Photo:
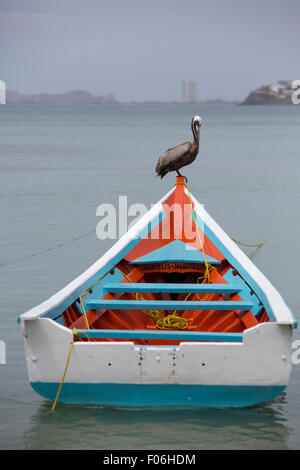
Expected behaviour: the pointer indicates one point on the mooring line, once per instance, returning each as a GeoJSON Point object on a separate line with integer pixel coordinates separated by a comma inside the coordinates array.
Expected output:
{"type": "Point", "coordinates": [46, 250]}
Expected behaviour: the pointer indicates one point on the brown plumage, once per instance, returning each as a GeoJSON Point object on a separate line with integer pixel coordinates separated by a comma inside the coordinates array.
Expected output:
{"type": "Point", "coordinates": [176, 157]}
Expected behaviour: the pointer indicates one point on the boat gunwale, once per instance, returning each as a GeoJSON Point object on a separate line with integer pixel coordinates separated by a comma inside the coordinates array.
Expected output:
{"type": "Point", "coordinates": [174, 335]}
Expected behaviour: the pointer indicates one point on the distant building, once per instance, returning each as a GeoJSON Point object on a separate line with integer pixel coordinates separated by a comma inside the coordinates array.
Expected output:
{"type": "Point", "coordinates": [268, 87]}
{"type": "Point", "coordinates": [285, 83]}
{"type": "Point", "coordinates": [269, 93]}
{"type": "Point", "coordinates": [284, 87]}
{"type": "Point", "coordinates": [190, 92]}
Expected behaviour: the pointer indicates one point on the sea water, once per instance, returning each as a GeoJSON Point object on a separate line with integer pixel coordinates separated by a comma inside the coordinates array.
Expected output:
{"type": "Point", "coordinates": [57, 165]}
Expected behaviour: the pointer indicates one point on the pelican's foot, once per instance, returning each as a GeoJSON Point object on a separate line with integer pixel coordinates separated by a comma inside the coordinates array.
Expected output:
{"type": "Point", "coordinates": [182, 176]}
{"type": "Point", "coordinates": [185, 178]}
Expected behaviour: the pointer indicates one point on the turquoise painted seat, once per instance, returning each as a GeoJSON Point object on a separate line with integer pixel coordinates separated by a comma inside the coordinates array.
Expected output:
{"type": "Point", "coordinates": [168, 305]}
{"type": "Point", "coordinates": [175, 252]}
{"type": "Point", "coordinates": [157, 287]}
{"type": "Point", "coordinates": [164, 335]}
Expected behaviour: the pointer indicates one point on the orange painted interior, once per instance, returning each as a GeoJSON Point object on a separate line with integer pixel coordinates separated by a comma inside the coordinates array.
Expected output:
{"type": "Point", "coordinates": [180, 226]}
{"type": "Point", "coordinates": [202, 320]}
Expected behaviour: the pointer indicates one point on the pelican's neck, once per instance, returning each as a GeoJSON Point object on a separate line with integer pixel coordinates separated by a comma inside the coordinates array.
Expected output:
{"type": "Point", "coordinates": [196, 135]}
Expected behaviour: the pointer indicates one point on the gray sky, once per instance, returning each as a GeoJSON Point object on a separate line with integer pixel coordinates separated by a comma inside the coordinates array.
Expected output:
{"type": "Point", "coordinates": [143, 49]}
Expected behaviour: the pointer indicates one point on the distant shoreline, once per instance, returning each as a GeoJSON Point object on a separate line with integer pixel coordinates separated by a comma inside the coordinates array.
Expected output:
{"type": "Point", "coordinates": [145, 105]}
{"type": "Point", "coordinates": [81, 98]}
{"type": "Point", "coordinates": [84, 98]}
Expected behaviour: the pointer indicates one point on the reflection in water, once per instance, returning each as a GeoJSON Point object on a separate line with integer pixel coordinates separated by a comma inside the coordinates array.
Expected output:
{"type": "Point", "coordinates": [254, 253]}
{"type": "Point", "coordinates": [78, 427]}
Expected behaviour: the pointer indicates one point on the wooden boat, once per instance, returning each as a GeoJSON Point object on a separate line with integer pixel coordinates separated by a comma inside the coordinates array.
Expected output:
{"type": "Point", "coordinates": [173, 315]}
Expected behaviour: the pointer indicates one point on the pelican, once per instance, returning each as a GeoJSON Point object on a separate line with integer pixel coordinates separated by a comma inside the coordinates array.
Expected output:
{"type": "Point", "coordinates": [176, 157]}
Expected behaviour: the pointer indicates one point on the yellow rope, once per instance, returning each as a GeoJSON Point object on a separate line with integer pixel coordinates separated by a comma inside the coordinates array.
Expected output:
{"type": "Point", "coordinates": [164, 323]}
{"type": "Point", "coordinates": [85, 315]}
{"type": "Point", "coordinates": [62, 380]}
{"type": "Point", "coordinates": [174, 321]}
{"type": "Point", "coordinates": [87, 291]}
{"type": "Point", "coordinates": [75, 333]}
{"type": "Point", "coordinates": [208, 266]}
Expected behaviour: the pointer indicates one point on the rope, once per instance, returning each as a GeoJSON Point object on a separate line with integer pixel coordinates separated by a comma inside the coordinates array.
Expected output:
{"type": "Point", "coordinates": [173, 321]}
{"type": "Point", "coordinates": [208, 266]}
{"type": "Point", "coordinates": [248, 244]}
{"type": "Point", "coordinates": [84, 313]}
{"type": "Point", "coordinates": [164, 323]}
{"type": "Point", "coordinates": [89, 291]}
{"type": "Point", "coordinates": [64, 374]}
{"type": "Point", "coordinates": [46, 250]}
{"type": "Point", "coordinates": [75, 334]}
{"type": "Point", "coordinates": [251, 245]}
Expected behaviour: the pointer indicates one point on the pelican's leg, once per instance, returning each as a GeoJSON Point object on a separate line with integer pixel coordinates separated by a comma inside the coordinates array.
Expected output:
{"type": "Point", "coordinates": [179, 174]}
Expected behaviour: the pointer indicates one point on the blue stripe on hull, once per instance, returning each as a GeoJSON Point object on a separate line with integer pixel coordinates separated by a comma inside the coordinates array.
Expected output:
{"type": "Point", "coordinates": [158, 395]}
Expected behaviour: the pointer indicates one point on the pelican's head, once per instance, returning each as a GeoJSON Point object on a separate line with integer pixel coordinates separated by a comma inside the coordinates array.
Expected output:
{"type": "Point", "coordinates": [196, 124]}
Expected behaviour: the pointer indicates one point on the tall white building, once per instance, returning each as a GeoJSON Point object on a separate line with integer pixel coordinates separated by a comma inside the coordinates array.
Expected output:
{"type": "Point", "coordinates": [190, 91]}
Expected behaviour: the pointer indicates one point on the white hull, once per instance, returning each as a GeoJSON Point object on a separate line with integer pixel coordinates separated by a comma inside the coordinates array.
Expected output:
{"type": "Point", "coordinates": [263, 360]}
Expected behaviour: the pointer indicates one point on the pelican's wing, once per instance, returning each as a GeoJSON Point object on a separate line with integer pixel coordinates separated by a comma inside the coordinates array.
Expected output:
{"type": "Point", "coordinates": [172, 155]}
